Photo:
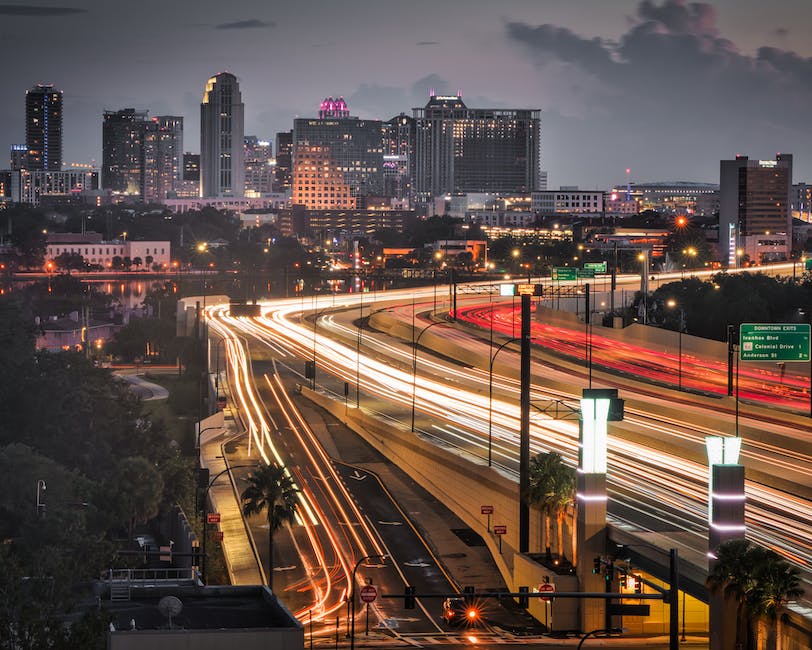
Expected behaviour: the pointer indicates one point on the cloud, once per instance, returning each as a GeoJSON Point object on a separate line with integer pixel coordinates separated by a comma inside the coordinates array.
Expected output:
{"type": "Point", "coordinates": [22, 10]}
{"type": "Point", "coordinates": [252, 23]}
{"type": "Point", "coordinates": [428, 43]}
{"type": "Point", "coordinates": [673, 79]}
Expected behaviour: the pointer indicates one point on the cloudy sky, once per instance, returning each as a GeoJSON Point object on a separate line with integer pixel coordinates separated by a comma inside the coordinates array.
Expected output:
{"type": "Point", "coordinates": [664, 87]}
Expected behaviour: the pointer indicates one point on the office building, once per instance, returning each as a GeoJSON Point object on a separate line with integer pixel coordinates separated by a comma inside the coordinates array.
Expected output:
{"type": "Point", "coordinates": [570, 201]}
{"type": "Point", "coordinates": [222, 171]}
{"type": "Point", "coordinates": [141, 157]}
{"type": "Point", "coordinates": [460, 149]}
{"type": "Point", "coordinates": [43, 128]}
{"type": "Point", "coordinates": [284, 161]}
{"type": "Point", "coordinates": [18, 156]}
{"type": "Point", "coordinates": [189, 186]}
{"type": "Point", "coordinates": [337, 159]}
{"type": "Point", "coordinates": [35, 187]}
{"type": "Point", "coordinates": [398, 158]}
{"type": "Point", "coordinates": [259, 166]}
{"type": "Point", "coordinates": [755, 218]}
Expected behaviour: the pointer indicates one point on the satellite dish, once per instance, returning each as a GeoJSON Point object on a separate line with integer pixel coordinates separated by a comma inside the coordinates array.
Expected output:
{"type": "Point", "coordinates": [170, 606]}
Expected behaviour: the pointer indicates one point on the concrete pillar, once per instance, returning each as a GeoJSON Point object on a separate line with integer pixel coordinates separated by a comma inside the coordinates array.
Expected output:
{"type": "Point", "coordinates": [725, 522]}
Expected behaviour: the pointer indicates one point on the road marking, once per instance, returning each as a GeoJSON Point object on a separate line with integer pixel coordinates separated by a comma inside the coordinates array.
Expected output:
{"type": "Point", "coordinates": [358, 476]}
{"type": "Point", "coordinates": [390, 523]}
{"type": "Point", "coordinates": [417, 563]}
{"type": "Point", "coordinates": [285, 568]}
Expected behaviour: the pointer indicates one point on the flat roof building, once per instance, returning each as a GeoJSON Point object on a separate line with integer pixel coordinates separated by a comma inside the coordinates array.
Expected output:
{"type": "Point", "coordinates": [43, 128]}
{"type": "Point", "coordinates": [222, 115]}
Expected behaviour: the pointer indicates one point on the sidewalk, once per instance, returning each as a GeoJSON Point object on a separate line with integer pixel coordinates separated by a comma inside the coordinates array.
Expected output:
{"type": "Point", "coordinates": [241, 561]}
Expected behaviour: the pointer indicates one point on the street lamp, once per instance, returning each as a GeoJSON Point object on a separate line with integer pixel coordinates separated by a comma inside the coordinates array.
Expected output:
{"type": "Point", "coordinates": [315, 324]}
{"type": "Point", "coordinates": [490, 397]}
{"type": "Point", "coordinates": [438, 255]}
{"type": "Point", "coordinates": [206, 513]}
{"type": "Point", "coordinates": [415, 341]}
{"type": "Point", "coordinates": [40, 504]}
{"type": "Point", "coordinates": [671, 304]}
{"type": "Point", "coordinates": [352, 594]}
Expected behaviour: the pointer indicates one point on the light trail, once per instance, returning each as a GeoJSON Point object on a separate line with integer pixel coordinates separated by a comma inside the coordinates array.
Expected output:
{"type": "Point", "coordinates": [637, 471]}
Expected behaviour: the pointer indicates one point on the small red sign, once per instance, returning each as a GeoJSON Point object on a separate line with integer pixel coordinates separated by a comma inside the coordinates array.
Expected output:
{"type": "Point", "coordinates": [213, 518]}
{"type": "Point", "coordinates": [221, 402]}
{"type": "Point", "coordinates": [368, 593]}
{"type": "Point", "coordinates": [547, 587]}
{"type": "Point", "coordinates": [218, 535]}
{"type": "Point", "coordinates": [486, 510]}
{"type": "Point", "coordinates": [500, 530]}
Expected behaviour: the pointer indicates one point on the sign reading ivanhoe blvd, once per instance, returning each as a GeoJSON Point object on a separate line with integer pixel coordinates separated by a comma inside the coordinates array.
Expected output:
{"type": "Point", "coordinates": [774, 342]}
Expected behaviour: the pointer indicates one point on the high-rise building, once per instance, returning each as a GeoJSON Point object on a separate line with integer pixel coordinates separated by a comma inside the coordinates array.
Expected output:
{"type": "Point", "coordinates": [123, 135]}
{"type": "Point", "coordinates": [142, 156]}
{"type": "Point", "coordinates": [460, 149]}
{"type": "Point", "coordinates": [221, 138]}
{"type": "Point", "coordinates": [18, 156]}
{"type": "Point", "coordinates": [398, 157]}
{"type": "Point", "coordinates": [259, 166]}
{"type": "Point", "coordinates": [755, 219]}
{"type": "Point", "coordinates": [284, 161]}
{"type": "Point", "coordinates": [337, 159]}
{"type": "Point", "coordinates": [43, 128]}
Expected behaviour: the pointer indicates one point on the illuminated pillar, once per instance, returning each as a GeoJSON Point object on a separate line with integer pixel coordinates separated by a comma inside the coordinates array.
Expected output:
{"type": "Point", "coordinates": [725, 522]}
{"type": "Point", "coordinates": [598, 406]}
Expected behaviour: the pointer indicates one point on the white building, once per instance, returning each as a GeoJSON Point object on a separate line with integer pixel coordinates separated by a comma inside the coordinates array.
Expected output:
{"type": "Point", "coordinates": [568, 201]}
{"type": "Point", "coordinates": [96, 251]}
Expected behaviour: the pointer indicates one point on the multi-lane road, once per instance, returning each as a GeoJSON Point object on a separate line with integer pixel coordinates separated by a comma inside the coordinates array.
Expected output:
{"type": "Point", "coordinates": [657, 474]}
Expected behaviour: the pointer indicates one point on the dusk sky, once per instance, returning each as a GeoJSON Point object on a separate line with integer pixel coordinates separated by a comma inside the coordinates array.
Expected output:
{"type": "Point", "coordinates": [664, 87]}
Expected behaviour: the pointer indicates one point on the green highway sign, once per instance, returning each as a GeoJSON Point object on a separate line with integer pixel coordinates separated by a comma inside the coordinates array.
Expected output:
{"type": "Point", "coordinates": [774, 342]}
{"type": "Point", "coordinates": [586, 273]}
{"type": "Point", "coordinates": [598, 267]}
{"type": "Point", "coordinates": [564, 273]}
{"type": "Point", "coordinates": [808, 265]}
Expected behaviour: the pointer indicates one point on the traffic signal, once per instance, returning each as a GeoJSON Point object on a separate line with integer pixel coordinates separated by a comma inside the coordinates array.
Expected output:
{"type": "Point", "coordinates": [609, 574]}
{"type": "Point", "coordinates": [524, 600]}
{"type": "Point", "coordinates": [408, 598]}
{"type": "Point", "coordinates": [638, 585]}
{"type": "Point", "coordinates": [596, 565]}
{"type": "Point", "coordinates": [622, 580]}
{"type": "Point", "coordinates": [468, 595]}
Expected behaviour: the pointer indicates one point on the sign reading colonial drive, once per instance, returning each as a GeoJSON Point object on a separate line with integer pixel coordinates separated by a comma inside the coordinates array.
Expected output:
{"type": "Point", "coordinates": [369, 593]}
{"type": "Point", "coordinates": [500, 530]}
{"type": "Point", "coordinates": [564, 273]}
{"type": "Point", "coordinates": [486, 510]}
{"type": "Point", "coordinates": [774, 342]}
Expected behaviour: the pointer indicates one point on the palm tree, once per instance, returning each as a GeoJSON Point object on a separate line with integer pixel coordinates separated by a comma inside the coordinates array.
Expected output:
{"type": "Point", "coordinates": [552, 484]}
{"type": "Point", "coordinates": [270, 488]}
{"type": "Point", "coordinates": [777, 583]}
{"type": "Point", "coordinates": [761, 582]}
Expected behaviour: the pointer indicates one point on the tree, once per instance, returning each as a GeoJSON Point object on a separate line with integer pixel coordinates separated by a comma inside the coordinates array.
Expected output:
{"type": "Point", "coordinates": [552, 488]}
{"type": "Point", "coordinates": [760, 581]}
{"type": "Point", "coordinates": [270, 489]}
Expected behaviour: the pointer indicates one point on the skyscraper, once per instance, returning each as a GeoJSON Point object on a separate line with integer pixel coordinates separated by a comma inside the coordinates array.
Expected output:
{"type": "Point", "coordinates": [43, 128]}
{"type": "Point", "coordinates": [284, 161]}
{"type": "Point", "coordinates": [755, 218]}
{"type": "Point", "coordinates": [337, 159]}
{"type": "Point", "coordinates": [222, 172]}
{"type": "Point", "coordinates": [142, 156]}
{"type": "Point", "coordinates": [259, 169]}
{"type": "Point", "coordinates": [460, 149]}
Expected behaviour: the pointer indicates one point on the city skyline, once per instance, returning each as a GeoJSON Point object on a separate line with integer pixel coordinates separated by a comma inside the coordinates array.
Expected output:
{"type": "Point", "coordinates": [665, 88]}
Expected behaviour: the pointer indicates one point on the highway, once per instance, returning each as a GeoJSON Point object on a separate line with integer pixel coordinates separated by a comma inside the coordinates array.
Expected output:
{"type": "Point", "coordinates": [657, 476]}
{"type": "Point", "coordinates": [347, 523]}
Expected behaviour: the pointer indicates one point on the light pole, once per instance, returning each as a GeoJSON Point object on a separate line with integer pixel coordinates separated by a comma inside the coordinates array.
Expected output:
{"type": "Point", "coordinates": [490, 397]}
{"type": "Point", "coordinates": [315, 323]}
{"type": "Point", "coordinates": [358, 352]}
{"type": "Point", "coordinates": [415, 341]}
{"type": "Point", "coordinates": [672, 304]}
{"type": "Point", "coordinates": [438, 255]}
{"type": "Point", "coordinates": [352, 595]}
{"type": "Point", "coordinates": [40, 505]}
{"type": "Point", "coordinates": [206, 514]}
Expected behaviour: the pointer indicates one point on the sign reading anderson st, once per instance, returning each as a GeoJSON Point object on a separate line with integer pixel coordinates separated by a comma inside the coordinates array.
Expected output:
{"type": "Point", "coordinates": [774, 342]}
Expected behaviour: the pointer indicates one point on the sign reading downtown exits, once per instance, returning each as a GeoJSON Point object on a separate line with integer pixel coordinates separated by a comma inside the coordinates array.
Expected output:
{"type": "Point", "coordinates": [774, 342]}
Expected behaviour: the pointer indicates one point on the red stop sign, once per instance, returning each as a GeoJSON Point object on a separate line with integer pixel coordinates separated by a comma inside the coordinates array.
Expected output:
{"type": "Point", "coordinates": [546, 588]}
{"type": "Point", "coordinates": [368, 593]}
